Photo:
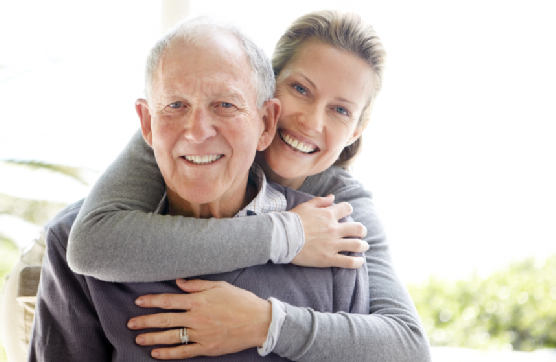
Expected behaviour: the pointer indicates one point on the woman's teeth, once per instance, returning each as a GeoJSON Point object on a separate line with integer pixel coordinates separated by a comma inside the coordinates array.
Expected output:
{"type": "Point", "coordinates": [202, 160]}
{"type": "Point", "coordinates": [295, 144]}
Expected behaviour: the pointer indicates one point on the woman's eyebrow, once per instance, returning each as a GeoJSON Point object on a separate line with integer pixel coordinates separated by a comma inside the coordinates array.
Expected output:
{"type": "Point", "coordinates": [308, 80]}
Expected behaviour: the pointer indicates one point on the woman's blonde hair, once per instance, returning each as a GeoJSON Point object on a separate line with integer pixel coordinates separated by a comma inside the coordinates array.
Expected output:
{"type": "Point", "coordinates": [345, 31]}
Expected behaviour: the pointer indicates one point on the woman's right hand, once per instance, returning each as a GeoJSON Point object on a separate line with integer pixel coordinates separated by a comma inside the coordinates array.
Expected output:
{"type": "Point", "coordinates": [325, 237]}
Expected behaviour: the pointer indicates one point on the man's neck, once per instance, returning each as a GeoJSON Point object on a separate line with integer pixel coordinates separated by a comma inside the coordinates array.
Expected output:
{"type": "Point", "coordinates": [222, 208]}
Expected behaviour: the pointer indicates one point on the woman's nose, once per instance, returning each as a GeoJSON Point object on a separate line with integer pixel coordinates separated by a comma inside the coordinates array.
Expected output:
{"type": "Point", "coordinates": [313, 120]}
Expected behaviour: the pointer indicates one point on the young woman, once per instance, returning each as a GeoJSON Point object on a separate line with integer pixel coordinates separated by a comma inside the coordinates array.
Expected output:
{"type": "Point", "coordinates": [328, 69]}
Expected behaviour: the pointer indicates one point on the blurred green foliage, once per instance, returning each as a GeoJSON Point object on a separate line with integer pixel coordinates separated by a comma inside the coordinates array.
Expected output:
{"type": "Point", "coordinates": [37, 212]}
{"type": "Point", "coordinates": [514, 308]}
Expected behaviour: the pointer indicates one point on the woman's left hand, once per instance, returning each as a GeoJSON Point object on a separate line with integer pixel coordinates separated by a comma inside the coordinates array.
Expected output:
{"type": "Point", "coordinates": [220, 319]}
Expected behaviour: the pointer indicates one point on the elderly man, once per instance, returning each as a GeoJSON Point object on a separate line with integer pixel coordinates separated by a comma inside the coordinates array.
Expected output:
{"type": "Point", "coordinates": [205, 117]}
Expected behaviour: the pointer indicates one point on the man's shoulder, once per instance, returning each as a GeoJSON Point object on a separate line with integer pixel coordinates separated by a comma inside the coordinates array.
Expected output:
{"type": "Point", "coordinates": [60, 225]}
{"type": "Point", "coordinates": [293, 197]}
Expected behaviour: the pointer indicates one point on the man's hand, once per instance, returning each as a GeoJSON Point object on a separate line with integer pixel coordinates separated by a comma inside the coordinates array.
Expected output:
{"type": "Point", "coordinates": [220, 319]}
{"type": "Point", "coordinates": [325, 237]}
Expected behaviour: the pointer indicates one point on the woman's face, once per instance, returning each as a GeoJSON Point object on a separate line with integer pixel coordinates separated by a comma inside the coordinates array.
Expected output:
{"type": "Point", "coordinates": [323, 91]}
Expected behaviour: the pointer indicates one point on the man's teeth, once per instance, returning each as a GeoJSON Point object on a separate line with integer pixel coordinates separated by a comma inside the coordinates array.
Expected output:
{"type": "Point", "coordinates": [202, 160]}
{"type": "Point", "coordinates": [297, 145]}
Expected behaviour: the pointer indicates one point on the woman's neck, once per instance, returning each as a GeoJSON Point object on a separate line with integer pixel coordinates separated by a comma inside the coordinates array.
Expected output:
{"type": "Point", "coordinates": [292, 183]}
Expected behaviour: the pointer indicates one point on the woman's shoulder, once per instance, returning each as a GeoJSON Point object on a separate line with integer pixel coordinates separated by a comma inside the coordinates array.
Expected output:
{"type": "Point", "coordinates": [331, 181]}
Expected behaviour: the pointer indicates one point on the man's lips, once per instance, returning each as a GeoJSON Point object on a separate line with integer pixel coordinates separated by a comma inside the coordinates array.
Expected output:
{"type": "Point", "coordinates": [202, 160]}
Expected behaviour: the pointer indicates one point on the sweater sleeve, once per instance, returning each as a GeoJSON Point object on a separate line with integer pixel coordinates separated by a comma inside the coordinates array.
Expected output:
{"type": "Point", "coordinates": [391, 332]}
{"type": "Point", "coordinates": [117, 237]}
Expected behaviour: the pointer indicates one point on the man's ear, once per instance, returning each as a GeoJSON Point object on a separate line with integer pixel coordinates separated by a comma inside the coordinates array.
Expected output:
{"type": "Point", "coordinates": [270, 114]}
{"type": "Point", "coordinates": [144, 113]}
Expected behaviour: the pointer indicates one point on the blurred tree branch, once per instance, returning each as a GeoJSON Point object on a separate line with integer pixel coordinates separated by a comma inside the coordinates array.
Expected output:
{"type": "Point", "coordinates": [75, 173]}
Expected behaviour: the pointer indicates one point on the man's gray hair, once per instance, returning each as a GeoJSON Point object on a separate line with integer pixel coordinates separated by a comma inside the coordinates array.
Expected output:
{"type": "Point", "coordinates": [194, 31]}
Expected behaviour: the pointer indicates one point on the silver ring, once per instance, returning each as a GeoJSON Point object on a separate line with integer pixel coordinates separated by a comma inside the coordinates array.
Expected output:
{"type": "Point", "coordinates": [183, 335]}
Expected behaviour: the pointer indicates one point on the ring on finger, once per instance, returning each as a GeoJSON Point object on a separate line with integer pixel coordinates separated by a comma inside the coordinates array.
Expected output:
{"type": "Point", "coordinates": [183, 335]}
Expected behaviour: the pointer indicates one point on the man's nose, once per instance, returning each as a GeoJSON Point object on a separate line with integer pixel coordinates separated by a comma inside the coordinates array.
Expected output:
{"type": "Point", "coordinates": [199, 127]}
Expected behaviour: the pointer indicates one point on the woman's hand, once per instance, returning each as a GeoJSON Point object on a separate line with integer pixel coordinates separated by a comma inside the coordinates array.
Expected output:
{"type": "Point", "coordinates": [220, 319]}
{"type": "Point", "coordinates": [325, 237]}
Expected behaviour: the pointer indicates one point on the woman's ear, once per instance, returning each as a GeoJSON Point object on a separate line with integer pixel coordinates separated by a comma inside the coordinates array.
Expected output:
{"type": "Point", "coordinates": [270, 114]}
{"type": "Point", "coordinates": [144, 113]}
{"type": "Point", "coordinates": [356, 134]}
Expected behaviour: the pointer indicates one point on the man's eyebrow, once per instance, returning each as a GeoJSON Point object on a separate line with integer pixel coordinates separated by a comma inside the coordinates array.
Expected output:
{"type": "Point", "coordinates": [230, 94]}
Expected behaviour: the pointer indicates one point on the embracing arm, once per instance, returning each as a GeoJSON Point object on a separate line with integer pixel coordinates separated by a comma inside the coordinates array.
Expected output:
{"type": "Point", "coordinates": [116, 237]}
{"type": "Point", "coordinates": [391, 332]}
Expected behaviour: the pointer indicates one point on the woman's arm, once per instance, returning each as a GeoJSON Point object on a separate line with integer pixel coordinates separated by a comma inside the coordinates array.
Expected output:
{"type": "Point", "coordinates": [391, 332]}
{"type": "Point", "coordinates": [116, 236]}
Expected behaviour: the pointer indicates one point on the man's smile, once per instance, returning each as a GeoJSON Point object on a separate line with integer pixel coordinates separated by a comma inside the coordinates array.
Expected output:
{"type": "Point", "coordinates": [202, 160]}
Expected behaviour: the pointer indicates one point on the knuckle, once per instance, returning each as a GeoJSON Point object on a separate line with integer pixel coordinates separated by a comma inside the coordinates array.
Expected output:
{"type": "Point", "coordinates": [332, 229]}
{"type": "Point", "coordinates": [183, 352]}
{"type": "Point", "coordinates": [165, 301]}
{"type": "Point", "coordinates": [329, 213]}
{"type": "Point", "coordinates": [164, 320]}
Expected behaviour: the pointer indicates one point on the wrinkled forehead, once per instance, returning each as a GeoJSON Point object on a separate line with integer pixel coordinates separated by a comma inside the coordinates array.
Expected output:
{"type": "Point", "coordinates": [217, 64]}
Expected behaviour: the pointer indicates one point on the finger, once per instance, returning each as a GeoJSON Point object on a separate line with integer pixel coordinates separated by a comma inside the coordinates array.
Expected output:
{"type": "Point", "coordinates": [352, 245]}
{"type": "Point", "coordinates": [180, 352]}
{"type": "Point", "coordinates": [347, 262]}
{"type": "Point", "coordinates": [161, 320]}
{"type": "Point", "coordinates": [196, 285]}
{"type": "Point", "coordinates": [171, 336]}
{"type": "Point", "coordinates": [320, 202]}
{"type": "Point", "coordinates": [341, 210]}
{"type": "Point", "coordinates": [352, 229]}
{"type": "Point", "coordinates": [165, 301]}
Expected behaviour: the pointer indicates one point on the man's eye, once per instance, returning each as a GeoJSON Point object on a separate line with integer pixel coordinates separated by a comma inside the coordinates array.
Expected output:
{"type": "Point", "coordinates": [226, 105]}
{"type": "Point", "coordinates": [300, 89]}
{"type": "Point", "coordinates": [175, 105]}
{"type": "Point", "coordinates": [342, 111]}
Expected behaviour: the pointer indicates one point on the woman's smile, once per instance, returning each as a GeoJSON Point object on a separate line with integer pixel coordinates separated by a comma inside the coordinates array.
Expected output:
{"type": "Point", "coordinates": [297, 145]}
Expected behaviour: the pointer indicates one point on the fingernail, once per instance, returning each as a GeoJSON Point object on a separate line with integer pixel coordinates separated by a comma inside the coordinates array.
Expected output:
{"type": "Point", "coordinates": [131, 324]}
{"type": "Point", "coordinates": [140, 340]}
{"type": "Point", "coordinates": [180, 281]}
{"type": "Point", "coordinates": [155, 354]}
{"type": "Point", "coordinates": [139, 301]}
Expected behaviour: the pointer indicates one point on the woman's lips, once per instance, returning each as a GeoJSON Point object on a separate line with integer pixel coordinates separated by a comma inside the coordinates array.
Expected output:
{"type": "Point", "coordinates": [297, 145]}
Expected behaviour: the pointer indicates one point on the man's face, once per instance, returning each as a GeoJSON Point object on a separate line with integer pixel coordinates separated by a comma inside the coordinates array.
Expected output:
{"type": "Point", "coordinates": [204, 126]}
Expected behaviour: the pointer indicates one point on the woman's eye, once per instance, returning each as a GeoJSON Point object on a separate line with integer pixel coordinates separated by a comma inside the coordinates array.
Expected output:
{"type": "Point", "coordinates": [226, 105]}
{"type": "Point", "coordinates": [300, 89]}
{"type": "Point", "coordinates": [175, 105]}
